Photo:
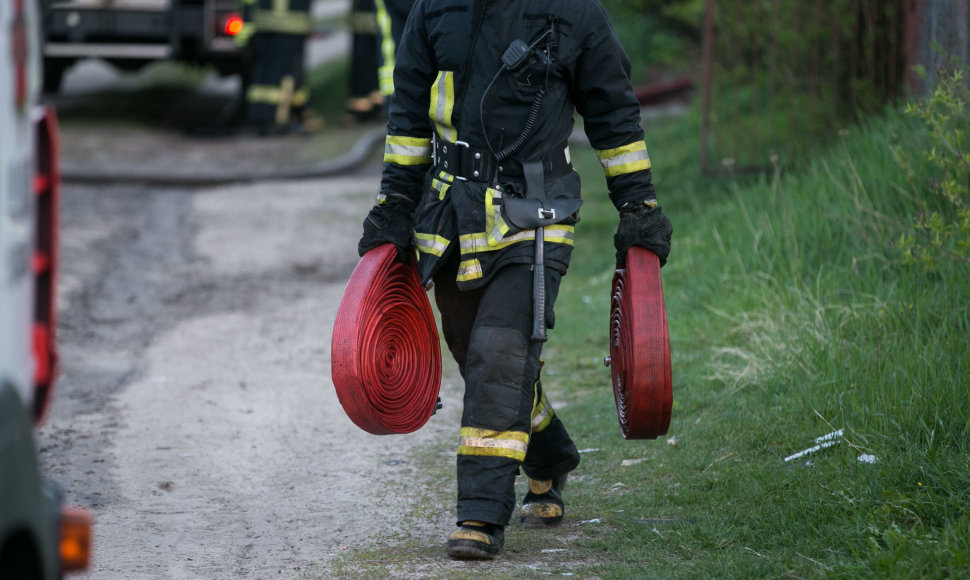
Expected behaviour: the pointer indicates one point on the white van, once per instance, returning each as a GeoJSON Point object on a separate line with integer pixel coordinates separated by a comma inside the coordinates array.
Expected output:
{"type": "Point", "coordinates": [39, 538]}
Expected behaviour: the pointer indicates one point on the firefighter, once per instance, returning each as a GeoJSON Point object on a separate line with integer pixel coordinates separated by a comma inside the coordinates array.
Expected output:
{"type": "Point", "coordinates": [391, 17]}
{"type": "Point", "coordinates": [366, 102]}
{"type": "Point", "coordinates": [477, 176]}
{"type": "Point", "coordinates": [276, 32]}
{"type": "Point", "coordinates": [383, 22]}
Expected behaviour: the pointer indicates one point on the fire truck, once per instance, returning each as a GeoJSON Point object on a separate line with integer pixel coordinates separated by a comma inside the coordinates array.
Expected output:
{"type": "Point", "coordinates": [39, 537]}
{"type": "Point", "coordinates": [132, 33]}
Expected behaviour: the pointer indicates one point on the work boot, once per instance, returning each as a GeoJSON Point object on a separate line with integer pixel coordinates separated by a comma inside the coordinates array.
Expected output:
{"type": "Point", "coordinates": [476, 541]}
{"type": "Point", "coordinates": [543, 502]}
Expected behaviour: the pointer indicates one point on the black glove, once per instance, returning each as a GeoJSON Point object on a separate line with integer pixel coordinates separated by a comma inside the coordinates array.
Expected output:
{"type": "Point", "coordinates": [387, 222]}
{"type": "Point", "coordinates": [644, 226]}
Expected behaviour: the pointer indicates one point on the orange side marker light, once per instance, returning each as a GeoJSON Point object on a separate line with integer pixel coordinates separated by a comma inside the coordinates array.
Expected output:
{"type": "Point", "coordinates": [75, 548]}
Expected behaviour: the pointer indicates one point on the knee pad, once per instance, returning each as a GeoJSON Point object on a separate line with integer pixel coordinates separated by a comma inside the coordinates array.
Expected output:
{"type": "Point", "coordinates": [494, 373]}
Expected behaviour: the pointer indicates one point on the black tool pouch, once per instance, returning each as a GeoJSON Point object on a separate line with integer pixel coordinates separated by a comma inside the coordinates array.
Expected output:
{"type": "Point", "coordinates": [526, 213]}
{"type": "Point", "coordinates": [536, 210]}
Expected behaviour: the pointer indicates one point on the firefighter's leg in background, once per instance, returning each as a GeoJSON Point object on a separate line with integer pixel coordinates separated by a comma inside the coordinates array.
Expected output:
{"type": "Point", "coordinates": [277, 93]}
{"type": "Point", "coordinates": [391, 17]}
{"type": "Point", "coordinates": [487, 331]}
{"type": "Point", "coordinates": [366, 101]}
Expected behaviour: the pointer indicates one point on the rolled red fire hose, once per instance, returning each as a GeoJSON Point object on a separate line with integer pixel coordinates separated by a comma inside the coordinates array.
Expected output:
{"type": "Point", "coordinates": [640, 347]}
{"type": "Point", "coordinates": [385, 355]}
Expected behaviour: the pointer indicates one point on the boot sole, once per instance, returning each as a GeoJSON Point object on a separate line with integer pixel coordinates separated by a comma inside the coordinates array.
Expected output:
{"type": "Point", "coordinates": [534, 522]}
{"type": "Point", "coordinates": [541, 514]}
{"type": "Point", "coordinates": [470, 550]}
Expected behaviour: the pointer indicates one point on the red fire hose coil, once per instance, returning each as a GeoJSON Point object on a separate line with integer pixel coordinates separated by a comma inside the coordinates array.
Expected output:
{"type": "Point", "coordinates": [385, 355]}
{"type": "Point", "coordinates": [640, 348]}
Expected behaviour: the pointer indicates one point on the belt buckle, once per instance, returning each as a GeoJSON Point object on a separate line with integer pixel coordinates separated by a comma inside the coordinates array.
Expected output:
{"type": "Point", "coordinates": [460, 169]}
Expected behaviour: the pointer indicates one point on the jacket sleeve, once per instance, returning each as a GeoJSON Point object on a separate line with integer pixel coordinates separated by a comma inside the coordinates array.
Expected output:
{"type": "Point", "coordinates": [611, 114]}
{"type": "Point", "coordinates": [407, 149]}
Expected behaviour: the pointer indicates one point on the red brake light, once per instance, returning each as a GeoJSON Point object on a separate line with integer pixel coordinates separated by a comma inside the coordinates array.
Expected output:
{"type": "Point", "coordinates": [45, 260]}
{"type": "Point", "coordinates": [18, 40]}
{"type": "Point", "coordinates": [232, 25]}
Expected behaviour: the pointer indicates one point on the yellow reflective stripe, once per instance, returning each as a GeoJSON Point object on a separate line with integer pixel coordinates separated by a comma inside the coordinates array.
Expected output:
{"type": "Point", "coordinates": [511, 444]}
{"type": "Point", "coordinates": [442, 183]}
{"type": "Point", "coordinates": [472, 243]}
{"type": "Point", "coordinates": [495, 225]}
{"type": "Point", "coordinates": [541, 421]}
{"type": "Point", "coordinates": [263, 94]}
{"type": "Point", "coordinates": [626, 159]}
{"type": "Point", "coordinates": [407, 150]}
{"type": "Point", "coordinates": [559, 233]}
{"type": "Point", "coordinates": [469, 270]}
{"type": "Point", "coordinates": [385, 72]}
{"type": "Point", "coordinates": [443, 104]}
{"type": "Point", "coordinates": [441, 187]}
{"type": "Point", "coordinates": [542, 415]}
{"type": "Point", "coordinates": [479, 433]}
{"type": "Point", "coordinates": [271, 95]}
{"type": "Point", "coordinates": [285, 22]}
{"type": "Point", "coordinates": [385, 79]}
{"type": "Point", "coordinates": [431, 244]}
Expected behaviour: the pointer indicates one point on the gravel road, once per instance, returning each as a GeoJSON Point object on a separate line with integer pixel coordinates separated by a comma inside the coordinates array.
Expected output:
{"type": "Point", "coordinates": [195, 414]}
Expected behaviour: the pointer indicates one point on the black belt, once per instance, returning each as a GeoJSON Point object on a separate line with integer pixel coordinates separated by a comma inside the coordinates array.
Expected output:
{"type": "Point", "coordinates": [471, 163]}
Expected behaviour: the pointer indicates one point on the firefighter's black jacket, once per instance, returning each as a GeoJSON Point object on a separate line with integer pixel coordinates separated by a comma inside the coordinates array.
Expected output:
{"type": "Point", "coordinates": [447, 61]}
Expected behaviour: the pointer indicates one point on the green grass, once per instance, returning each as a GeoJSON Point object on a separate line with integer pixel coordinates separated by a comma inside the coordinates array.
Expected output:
{"type": "Point", "coordinates": [790, 315]}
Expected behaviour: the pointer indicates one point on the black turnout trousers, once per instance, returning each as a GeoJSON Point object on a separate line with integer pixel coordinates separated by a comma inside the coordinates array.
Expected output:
{"type": "Point", "coordinates": [487, 330]}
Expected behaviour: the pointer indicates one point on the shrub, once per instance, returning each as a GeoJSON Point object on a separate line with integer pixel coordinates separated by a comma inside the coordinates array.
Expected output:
{"type": "Point", "coordinates": [941, 228]}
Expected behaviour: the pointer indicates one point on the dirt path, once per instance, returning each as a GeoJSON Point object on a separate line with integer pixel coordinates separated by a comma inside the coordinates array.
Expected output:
{"type": "Point", "coordinates": [195, 415]}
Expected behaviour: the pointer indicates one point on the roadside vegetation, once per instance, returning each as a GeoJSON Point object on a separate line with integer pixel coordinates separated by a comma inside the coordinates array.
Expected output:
{"type": "Point", "coordinates": [833, 297]}
{"type": "Point", "coordinates": [799, 304]}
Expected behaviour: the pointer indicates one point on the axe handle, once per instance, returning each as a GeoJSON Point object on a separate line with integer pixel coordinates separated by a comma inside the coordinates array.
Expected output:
{"type": "Point", "coordinates": [539, 290]}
